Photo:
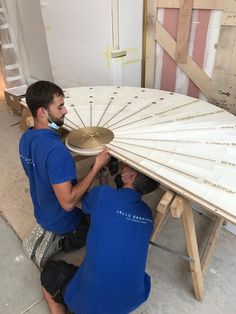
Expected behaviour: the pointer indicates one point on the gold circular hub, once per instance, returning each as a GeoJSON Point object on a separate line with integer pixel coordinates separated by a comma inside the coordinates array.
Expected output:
{"type": "Point", "coordinates": [90, 137]}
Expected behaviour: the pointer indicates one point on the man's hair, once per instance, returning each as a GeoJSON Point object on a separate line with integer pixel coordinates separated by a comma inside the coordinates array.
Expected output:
{"type": "Point", "coordinates": [144, 184]}
{"type": "Point", "coordinates": [41, 94]}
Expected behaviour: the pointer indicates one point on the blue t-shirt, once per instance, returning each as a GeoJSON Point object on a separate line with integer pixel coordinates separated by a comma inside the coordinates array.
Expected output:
{"type": "Point", "coordinates": [112, 278]}
{"type": "Point", "coordinates": [47, 161]}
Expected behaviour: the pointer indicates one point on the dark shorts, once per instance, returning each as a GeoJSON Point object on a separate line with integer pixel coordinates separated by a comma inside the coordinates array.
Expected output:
{"type": "Point", "coordinates": [76, 239]}
{"type": "Point", "coordinates": [55, 276]}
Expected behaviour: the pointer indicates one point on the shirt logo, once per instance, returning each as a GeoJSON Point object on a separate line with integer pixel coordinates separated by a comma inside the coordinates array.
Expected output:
{"type": "Point", "coordinates": [29, 161]}
{"type": "Point", "coordinates": [134, 218]}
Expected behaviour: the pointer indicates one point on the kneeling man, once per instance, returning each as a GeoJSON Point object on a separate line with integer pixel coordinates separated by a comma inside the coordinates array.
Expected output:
{"type": "Point", "coordinates": [111, 278]}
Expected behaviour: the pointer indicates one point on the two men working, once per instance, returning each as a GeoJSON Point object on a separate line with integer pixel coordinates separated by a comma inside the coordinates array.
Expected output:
{"type": "Point", "coordinates": [112, 277]}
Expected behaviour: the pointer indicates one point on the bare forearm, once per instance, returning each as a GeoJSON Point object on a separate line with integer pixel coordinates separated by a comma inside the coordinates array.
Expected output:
{"type": "Point", "coordinates": [69, 195]}
{"type": "Point", "coordinates": [80, 188]}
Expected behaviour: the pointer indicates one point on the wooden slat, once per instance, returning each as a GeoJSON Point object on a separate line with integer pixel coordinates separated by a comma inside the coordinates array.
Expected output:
{"type": "Point", "coordinates": [191, 69]}
{"type": "Point", "coordinates": [163, 212]}
{"type": "Point", "coordinates": [192, 247]}
{"type": "Point", "coordinates": [150, 54]}
{"type": "Point", "coordinates": [197, 4]}
{"type": "Point", "coordinates": [225, 5]}
{"type": "Point", "coordinates": [177, 206]}
{"type": "Point", "coordinates": [211, 244]}
{"type": "Point", "coordinates": [194, 198]}
{"type": "Point", "coordinates": [165, 201]}
{"type": "Point", "coordinates": [184, 24]}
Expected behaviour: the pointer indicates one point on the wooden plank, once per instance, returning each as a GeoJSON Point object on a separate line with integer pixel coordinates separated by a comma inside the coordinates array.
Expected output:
{"type": "Point", "coordinates": [166, 182]}
{"type": "Point", "coordinates": [163, 212]}
{"type": "Point", "coordinates": [197, 4]}
{"type": "Point", "coordinates": [150, 51]}
{"type": "Point", "coordinates": [192, 247]}
{"type": "Point", "coordinates": [185, 17]}
{"type": "Point", "coordinates": [226, 5]}
{"type": "Point", "coordinates": [165, 201]}
{"type": "Point", "coordinates": [191, 69]}
{"type": "Point", "coordinates": [177, 206]}
{"type": "Point", "coordinates": [159, 222]}
{"type": "Point", "coordinates": [228, 19]}
{"type": "Point", "coordinates": [223, 78]}
{"type": "Point", "coordinates": [211, 244]}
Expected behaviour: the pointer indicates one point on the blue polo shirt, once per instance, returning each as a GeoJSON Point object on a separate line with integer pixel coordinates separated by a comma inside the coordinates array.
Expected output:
{"type": "Point", "coordinates": [112, 278]}
{"type": "Point", "coordinates": [47, 161]}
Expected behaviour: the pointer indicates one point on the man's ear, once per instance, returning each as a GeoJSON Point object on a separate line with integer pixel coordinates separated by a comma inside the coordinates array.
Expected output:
{"type": "Point", "coordinates": [132, 174]}
{"type": "Point", "coordinates": [42, 113]}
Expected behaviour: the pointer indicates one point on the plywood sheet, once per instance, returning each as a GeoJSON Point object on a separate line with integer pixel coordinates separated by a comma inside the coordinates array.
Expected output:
{"type": "Point", "coordinates": [224, 76]}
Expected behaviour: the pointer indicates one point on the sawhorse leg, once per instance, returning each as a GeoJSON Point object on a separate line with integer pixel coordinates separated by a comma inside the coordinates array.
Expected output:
{"type": "Point", "coordinates": [181, 207]}
{"type": "Point", "coordinates": [192, 247]}
{"type": "Point", "coordinates": [211, 244]}
{"type": "Point", "coordinates": [163, 212]}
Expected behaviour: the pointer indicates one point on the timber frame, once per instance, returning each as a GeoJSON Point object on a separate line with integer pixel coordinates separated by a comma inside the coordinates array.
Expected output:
{"type": "Point", "coordinates": [219, 88]}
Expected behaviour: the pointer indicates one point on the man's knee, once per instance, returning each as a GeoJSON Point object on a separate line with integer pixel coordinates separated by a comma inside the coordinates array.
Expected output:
{"type": "Point", "coordinates": [40, 245]}
{"type": "Point", "coordinates": [54, 278]}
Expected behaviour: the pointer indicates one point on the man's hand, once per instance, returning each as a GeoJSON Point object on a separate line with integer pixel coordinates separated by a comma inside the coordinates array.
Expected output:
{"type": "Point", "coordinates": [102, 159]}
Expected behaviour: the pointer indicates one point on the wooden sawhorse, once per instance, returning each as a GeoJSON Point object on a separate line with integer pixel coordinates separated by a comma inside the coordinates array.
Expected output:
{"type": "Point", "coordinates": [178, 206]}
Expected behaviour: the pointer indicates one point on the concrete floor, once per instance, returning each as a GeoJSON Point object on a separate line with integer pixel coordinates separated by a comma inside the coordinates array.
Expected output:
{"type": "Point", "coordinates": [172, 290]}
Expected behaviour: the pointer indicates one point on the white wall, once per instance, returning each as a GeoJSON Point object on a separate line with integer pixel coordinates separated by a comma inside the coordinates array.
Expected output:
{"type": "Point", "coordinates": [25, 19]}
{"type": "Point", "coordinates": [78, 35]}
{"type": "Point", "coordinates": [35, 39]}
{"type": "Point", "coordinates": [71, 42]}
{"type": "Point", "coordinates": [80, 41]}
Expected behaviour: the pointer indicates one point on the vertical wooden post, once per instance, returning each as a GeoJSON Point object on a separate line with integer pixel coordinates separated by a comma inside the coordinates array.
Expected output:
{"type": "Point", "coordinates": [192, 247]}
{"type": "Point", "coordinates": [150, 49]}
{"type": "Point", "coordinates": [185, 17]}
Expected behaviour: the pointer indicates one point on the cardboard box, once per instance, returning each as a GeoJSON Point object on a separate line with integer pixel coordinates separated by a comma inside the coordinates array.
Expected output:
{"type": "Point", "coordinates": [13, 97]}
{"type": "Point", "coordinates": [27, 120]}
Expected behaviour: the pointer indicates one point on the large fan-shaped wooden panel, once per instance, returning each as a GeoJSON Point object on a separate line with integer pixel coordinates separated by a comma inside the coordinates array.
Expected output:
{"type": "Point", "coordinates": [186, 144]}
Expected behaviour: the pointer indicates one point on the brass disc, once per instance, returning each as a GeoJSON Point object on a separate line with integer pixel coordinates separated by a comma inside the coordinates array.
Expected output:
{"type": "Point", "coordinates": [90, 137]}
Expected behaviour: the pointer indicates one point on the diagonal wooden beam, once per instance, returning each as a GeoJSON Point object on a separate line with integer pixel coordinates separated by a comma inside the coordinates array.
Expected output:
{"type": "Point", "coordinates": [192, 70]}
{"type": "Point", "coordinates": [184, 25]}
{"type": "Point", "coordinates": [211, 244]}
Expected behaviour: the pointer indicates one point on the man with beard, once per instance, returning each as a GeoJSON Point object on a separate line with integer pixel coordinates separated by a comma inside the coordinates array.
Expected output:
{"type": "Point", "coordinates": [52, 177]}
